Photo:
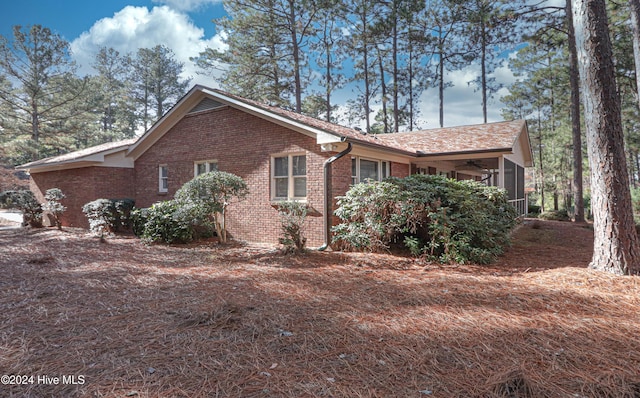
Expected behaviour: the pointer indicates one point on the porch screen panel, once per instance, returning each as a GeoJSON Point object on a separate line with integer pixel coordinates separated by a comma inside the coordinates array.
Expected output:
{"type": "Point", "coordinates": [510, 178]}
{"type": "Point", "coordinates": [520, 182]}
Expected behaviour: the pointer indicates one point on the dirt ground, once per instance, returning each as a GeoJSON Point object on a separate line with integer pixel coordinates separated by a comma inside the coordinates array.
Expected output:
{"type": "Point", "coordinates": [120, 319]}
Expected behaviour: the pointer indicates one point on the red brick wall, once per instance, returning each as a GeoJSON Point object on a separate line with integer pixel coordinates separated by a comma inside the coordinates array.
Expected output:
{"type": "Point", "coordinates": [400, 170]}
{"type": "Point", "coordinates": [82, 186]}
{"type": "Point", "coordinates": [243, 145]}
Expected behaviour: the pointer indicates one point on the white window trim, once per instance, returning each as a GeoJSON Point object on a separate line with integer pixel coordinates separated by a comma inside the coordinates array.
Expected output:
{"type": "Point", "coordinates": [382, 165]}
{"type": "Point", "coordinates": [161, 187]}
{"type": "Point", "coordinates": [290, 177]}
{"type": "Point", "coordinates": [206, 162]}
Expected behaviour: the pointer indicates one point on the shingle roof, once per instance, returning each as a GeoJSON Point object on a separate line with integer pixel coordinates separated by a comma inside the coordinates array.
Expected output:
{"type": "Point", "coordinates": [82, 153]}
{"type": "Point", "coordinates": [475, 138]}
{"type": "Point", "coordinates": [462, 139]}
{"type": "Point", "coordinates": [350, 133]}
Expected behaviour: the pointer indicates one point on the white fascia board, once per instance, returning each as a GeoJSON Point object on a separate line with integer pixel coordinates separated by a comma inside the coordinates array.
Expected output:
{"type": "Point", "coordinates": [326, 138]}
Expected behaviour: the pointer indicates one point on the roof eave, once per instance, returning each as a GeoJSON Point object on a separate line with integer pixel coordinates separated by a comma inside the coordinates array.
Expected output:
{"type": "Point", "coordinates": [382, 147]}
{"type": "Point", "coordinates": [74, 164]}
{"type": "Point", "coordinates": [497, 151]}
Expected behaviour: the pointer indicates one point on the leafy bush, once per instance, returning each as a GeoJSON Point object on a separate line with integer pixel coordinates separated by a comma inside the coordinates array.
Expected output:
{"type": "Point", "coordinates": [292, 218]}
{"type": "Point", "coordinates": [555, 215]}
{"type": "Point", "coordinates": [123, 208]}
{"type": "Point", "coordinates": [163, 222]}
{"type": "Point", "coordinates": [53, 197]}
{"type": "Point", "coordinates": [435, 217]}
{"type": "Point", "coordinates": [209, 195]}
{"type": "Point", "coordinates": [373, 215]}
{"type": "Point", "coordinates": [25, 201]}
{"type": "Point", "coordinates": [109, 215]}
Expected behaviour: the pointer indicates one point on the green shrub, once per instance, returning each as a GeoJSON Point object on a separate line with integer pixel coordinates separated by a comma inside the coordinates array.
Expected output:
{"type": "Point", "coordinates": [292, 218]}
{"type": "Point", "coordinates": [435, 217]}
{"type": "Point", "coordinates": [374, 213]}
{"type": "Point", "coordinates": [163, 222]}
{"type": "Point", "coordinates": [109, 215]}
{"type": "Point", "coordinates": [555, 215]}
{"type": "Point", "coordinates": [207, 196]}
{"type": "Point", "coordinates": [25, 201]}
{"type": "Point", "coordinates": [138, 221]}
{"type": "Point", "coordinates": [52, 204]}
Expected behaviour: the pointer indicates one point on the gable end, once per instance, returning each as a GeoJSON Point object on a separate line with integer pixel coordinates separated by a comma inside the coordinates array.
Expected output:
{"type": "Point", "coordinates": [205, 105]}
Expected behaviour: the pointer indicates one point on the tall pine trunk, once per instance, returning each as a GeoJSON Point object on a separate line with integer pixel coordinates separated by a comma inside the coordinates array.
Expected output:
{"type": "Point", "coordinates": [576, 132]}
{"type": "Point", "coordinates": [635, 25]}
{"type": "Point", "coordinates": [615, 247]}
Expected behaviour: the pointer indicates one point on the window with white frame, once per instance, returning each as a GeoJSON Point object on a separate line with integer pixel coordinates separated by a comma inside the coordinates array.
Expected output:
{"type": "Point", "coordinates": [204, 166]}
{"type": "Point", "coordinates": [289, 177]}
{"type": "Point", "coordinates": [163, 178]}
{"type": "Point", "coordinates": [368, 169]}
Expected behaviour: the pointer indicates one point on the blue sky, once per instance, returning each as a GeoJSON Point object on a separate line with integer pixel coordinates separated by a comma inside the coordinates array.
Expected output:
{"type": "Point", "coordinates": [186, 27]}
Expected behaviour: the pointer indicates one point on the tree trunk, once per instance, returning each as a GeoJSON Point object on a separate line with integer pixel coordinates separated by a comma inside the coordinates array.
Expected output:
{"type": "Point", "coordinates": [616, 248]}
{"type": "Point", "coordinates": [483, 62]}
{"type": "Point", "coordinates": [383, 87]}
{"type": "Point", "coordinates": [396, 73]}
{"type": "Point", "coordinates": [634, 6]}
{"type": "Point", "coordinates": [296, 56]}
{"type": "Point", "coordinates": [441, 78]}
{"type": "Point", "coordinates": [574, 79]}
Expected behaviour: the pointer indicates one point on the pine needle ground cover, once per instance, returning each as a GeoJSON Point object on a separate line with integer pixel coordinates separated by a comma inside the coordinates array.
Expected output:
{"type": "Point", "coordinates": [205, 320]}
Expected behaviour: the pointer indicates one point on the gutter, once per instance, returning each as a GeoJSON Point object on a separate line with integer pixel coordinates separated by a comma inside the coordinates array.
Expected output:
{"type": "Point", "coordinates": [328, 199]}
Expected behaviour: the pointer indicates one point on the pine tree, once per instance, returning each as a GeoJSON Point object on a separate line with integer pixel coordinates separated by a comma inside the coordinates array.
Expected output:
{"type": "Point", "coordinates": [157, 82]}
{"type": "Point", "coordinates": [46, 92]}
{"type": "Point", "coordinates": [616, 246]}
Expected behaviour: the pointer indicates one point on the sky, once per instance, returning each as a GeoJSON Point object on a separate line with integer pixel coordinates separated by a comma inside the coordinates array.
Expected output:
{"type": "Point", "coordinates": [186, 27]}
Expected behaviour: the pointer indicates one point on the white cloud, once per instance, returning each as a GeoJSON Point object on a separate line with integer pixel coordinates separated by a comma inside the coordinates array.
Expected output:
{"type": "Point", "coordinates": [462, 101]}
{"type": "Point", "coordinates": [187, 5]}
{"type": "Point", "coordinates": [136, 27]}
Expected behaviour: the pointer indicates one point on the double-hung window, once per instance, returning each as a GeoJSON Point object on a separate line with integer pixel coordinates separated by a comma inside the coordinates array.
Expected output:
{"type": "Point", "coordinates": [163, 178]}
{"type": "Point", "coordinates": [368, 169]}
{"type": "Point", "coordinates": [204, 166]}
{"type": "Point", "coordinates": [289, 177]}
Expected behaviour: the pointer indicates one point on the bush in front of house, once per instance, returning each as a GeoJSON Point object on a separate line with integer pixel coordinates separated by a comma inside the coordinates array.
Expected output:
{"type": "Point", "coordinates": [26, 202]}
{"type": "Point", "coordinates": [109, 215]}
{"type": "Point", "coordinates": [555, 215]}
{"type": "Point", "coordinates": [163, 222]}
{"type": "Point", "coordinates": [52, 204]}
{"type": "Point", "coordinates": [209, 195]}
{"type": "Point", "coordinates": [292, 217]}
{"type": "Point", "coordinates": [438, 218]}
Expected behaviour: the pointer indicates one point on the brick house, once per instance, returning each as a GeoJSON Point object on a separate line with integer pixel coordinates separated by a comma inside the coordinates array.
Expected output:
{"type": "Point", "coordinates": [281, 155]}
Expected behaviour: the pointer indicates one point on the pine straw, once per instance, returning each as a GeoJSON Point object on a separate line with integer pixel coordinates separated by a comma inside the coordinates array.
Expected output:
{"type": "Point", "coordinates": [206, 321]}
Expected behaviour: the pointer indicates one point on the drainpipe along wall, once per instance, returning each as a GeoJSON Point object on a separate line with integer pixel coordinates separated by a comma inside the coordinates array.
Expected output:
{"type": "Point", "coordinates": [328, 196]}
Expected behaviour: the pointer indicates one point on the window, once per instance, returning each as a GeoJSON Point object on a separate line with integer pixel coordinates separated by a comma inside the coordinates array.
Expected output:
{"type": "Point", "coordinates": [367, 169]}
{"type": "Point", "coordinates": [289, 177]}
{"type": "Point", "coordinates": [204, 166]}
{"type": "Point", "coordinates": [163, 178]}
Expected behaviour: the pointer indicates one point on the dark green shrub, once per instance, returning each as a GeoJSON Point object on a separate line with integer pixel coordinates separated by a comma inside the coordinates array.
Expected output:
{"type": "Point", "coordinates": [373, 214]}
{"type": "Point", "coordinates": [555, 215]}
{"type": "Point", "coordinates": [163, 222]}
{"type": "Point", "coordinates": [52, 204]}
{"type": "Point", "coordinates": [435, 217]}
{"type": "Point", "coordinates": [292, 218]}
{"type": "Point", "coordinates": [138, 221]}
{"type": "Point", "coordinates": [207, 196]}
{"type": "Point", "coordinates": [109, 215]}
{"type": "Point", "coordinates": [123, 208]}
{"type": "Point", "coordinates": [25, 201]}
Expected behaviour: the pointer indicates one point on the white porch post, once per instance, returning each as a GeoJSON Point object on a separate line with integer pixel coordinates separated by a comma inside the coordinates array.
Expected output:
{"type": "Point", "coordinates": [501, 172]}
